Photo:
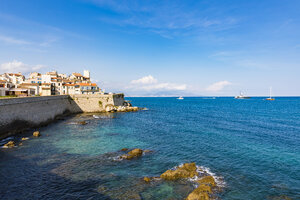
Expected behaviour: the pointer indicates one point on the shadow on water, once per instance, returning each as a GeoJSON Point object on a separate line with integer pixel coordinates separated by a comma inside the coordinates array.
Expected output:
{"type": "Point", "coordinates": [23, 179]}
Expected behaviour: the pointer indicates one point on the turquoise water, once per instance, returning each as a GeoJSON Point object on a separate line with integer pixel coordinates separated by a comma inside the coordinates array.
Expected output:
{"type": "Point", "coordinates": [251, 146]}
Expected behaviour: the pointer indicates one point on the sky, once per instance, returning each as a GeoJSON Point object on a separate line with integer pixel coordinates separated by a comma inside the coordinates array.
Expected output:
{"type": "Point", "coordinates": [160, 47]}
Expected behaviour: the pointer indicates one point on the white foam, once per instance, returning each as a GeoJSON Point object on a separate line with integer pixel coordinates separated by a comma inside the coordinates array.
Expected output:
{"type": "Point", "coordinates": [206, 171]}
{"type": "Point", "coordinates": [116, 158]}
{"type": "Point", "coordinates": [96, 116]}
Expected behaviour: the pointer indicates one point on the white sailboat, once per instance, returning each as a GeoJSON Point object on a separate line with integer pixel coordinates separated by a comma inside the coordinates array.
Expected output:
{"type": "Point", "coordinates": [270, 97]}
{"type": "Point", "coordinates": [180, 98]}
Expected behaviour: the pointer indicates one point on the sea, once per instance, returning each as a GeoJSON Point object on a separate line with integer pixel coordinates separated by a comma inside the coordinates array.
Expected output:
{"type": "Point", "coordinates": [250, 146]}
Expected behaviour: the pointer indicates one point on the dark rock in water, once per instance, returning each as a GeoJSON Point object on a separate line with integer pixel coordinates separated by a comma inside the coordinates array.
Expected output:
{"type": "Point", "coordinates": [147, 179]}
{"type": "Point", "coordinates": [124, 149]}
{"type": "Point", "coordinates": [188, 170]}
{"type": "Point", "coordinates": [82, 122]}
{"type": "Point", "coordinates": [135, 153]}
{"type": "Point", "coordinates": [9, 144]}
{"type": "Point", "coordinates": [36, 134]}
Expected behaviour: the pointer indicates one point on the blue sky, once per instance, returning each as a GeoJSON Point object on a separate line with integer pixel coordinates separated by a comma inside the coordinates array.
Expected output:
{"type": "Point", "coordinates": [158, 48]}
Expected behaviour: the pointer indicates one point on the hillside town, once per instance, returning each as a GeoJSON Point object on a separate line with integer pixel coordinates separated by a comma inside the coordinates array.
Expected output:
{"type": "Point", "coordinates": [50, 83]}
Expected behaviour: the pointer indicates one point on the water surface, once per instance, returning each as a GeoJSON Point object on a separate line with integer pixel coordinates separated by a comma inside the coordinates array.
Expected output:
{"type": "Point", "coordinates": [251, 145]}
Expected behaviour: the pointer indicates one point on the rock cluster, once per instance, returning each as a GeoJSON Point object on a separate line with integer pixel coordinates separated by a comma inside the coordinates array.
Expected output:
{"type": "Point", "coordinates": [203, 190]}
{"type": "Point", "coordinates": [111, 108]}
{"type": "Point", "coordinates": [36, 134]}
{"type": "Point", "coordinates": [9, 144]}
{"type": "Point", "coordinates": [189, 170]}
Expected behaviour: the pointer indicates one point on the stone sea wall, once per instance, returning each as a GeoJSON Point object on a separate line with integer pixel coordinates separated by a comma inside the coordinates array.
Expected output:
{"type": "Point", "coordinates": [18, 114]}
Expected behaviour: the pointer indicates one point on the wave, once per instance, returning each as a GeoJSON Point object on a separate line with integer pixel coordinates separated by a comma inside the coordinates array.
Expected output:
{"type": "Point", "coordinates": [206, 171]}
{"type": "Point", "coordinates": [5, 140]}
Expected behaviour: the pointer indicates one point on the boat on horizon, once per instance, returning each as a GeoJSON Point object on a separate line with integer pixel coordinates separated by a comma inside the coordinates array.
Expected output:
{"type": "Point", "coordinates": [242, 96]}
{"type": "Point", "coordinates": [270, 97]}
{"type": "Point", "coordinates": [180, 98]}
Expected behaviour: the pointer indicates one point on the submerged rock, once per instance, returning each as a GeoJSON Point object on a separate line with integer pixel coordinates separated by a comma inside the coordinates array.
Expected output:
{"type": "Point", "coordinates": [36, 134]}
{"type": "Point", "coordinates": [187, 170]}
{"type": "Point", "coordinates": [82, 123]}
{"type": "Point", "coordinates": [9, 144]}
{"type": "Point", "coordinates": [124, 149]}
{"type": "Point", "coordinates": [281, 197]}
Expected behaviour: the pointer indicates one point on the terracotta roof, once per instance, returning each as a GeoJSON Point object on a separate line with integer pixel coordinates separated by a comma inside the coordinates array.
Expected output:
{"type": "Point", "coordinates": [46, 84]}
{"type": "Point", "coordinates": [87, 84]}
{"type": "Point", "coordinates": [11, 74]}
{"type": "Point", "coordinates": [70, 84]}
{"type": "Point", "coordinates": [76, 74]}
{"type": "Point", "coordinates": [2, 81]}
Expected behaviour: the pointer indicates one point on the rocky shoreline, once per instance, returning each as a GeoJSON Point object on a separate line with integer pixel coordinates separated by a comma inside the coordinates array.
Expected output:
{"type": "Point", "coordinates": [200, 184]}
{"type": "Point", "coordinates": [206, 185]}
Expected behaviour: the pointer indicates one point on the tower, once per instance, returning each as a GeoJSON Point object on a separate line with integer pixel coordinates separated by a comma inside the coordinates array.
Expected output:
{"type": "Point", "coordinates": [86, 73]}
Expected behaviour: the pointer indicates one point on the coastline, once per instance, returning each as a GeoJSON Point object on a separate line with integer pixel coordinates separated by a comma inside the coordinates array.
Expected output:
{"type": "Point", "coordinates": [20, 114]}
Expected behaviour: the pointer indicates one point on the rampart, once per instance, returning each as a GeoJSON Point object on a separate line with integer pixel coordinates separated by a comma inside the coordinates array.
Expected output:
{"type": "Point", "coordinates": [18, 114]}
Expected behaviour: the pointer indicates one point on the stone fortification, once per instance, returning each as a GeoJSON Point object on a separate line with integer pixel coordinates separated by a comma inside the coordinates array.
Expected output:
{"type": "Point", "coordinates": [17, 114]}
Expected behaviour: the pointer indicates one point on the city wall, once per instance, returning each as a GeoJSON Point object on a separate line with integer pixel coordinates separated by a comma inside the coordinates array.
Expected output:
{"type": "Point", "coordinates": [18, 114]}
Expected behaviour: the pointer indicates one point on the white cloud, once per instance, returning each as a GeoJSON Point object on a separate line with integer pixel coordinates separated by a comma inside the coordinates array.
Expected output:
{"type": "Point", "coordinates": [145, 80]}
{"type": "Point", "coordinates": [164, 86]}
{"type": "Point", "coordinates": [149, 86]}
{"type": "Point", "coordinates": [218, 86]}
{"type": "Point", "coordinates": [17, 66]}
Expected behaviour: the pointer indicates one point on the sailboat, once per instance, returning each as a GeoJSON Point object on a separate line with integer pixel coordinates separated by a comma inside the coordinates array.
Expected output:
{"type": "Point", "coordinates": [180, 98]}
{"type": "Point", "coordinates": [270, 98]}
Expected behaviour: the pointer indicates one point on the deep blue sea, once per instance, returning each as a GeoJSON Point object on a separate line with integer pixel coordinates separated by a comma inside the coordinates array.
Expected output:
{"type": "Point", "coordinates": [251, 147]}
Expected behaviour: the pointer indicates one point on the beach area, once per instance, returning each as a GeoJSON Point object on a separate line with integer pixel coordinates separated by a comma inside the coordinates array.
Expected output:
{"type": "Point", "coordinates": [249, 147]}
